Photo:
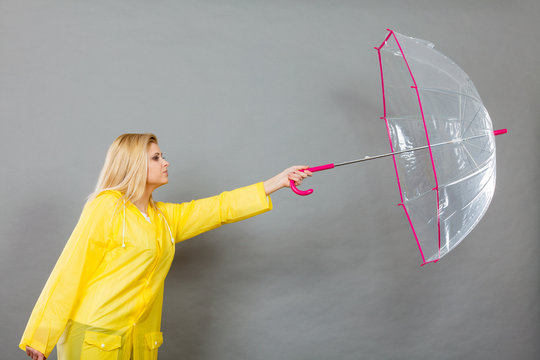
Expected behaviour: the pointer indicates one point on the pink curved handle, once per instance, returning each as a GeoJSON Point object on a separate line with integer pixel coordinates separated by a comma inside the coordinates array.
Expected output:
{"type": "Point", "coordinates": [297, 191]}
{"type": "Point", "coordinates": [313, 169]}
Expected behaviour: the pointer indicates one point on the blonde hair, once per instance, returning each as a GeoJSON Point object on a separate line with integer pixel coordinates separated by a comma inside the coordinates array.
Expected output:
{"type": "Point", "coordinates": [125, 167]}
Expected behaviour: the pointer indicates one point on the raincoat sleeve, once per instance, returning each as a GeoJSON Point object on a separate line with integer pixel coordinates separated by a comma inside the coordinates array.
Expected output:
{"type": "Point", "coordinates": [80, 258]}
{"type": "Point", "coordinates": [193, 218]}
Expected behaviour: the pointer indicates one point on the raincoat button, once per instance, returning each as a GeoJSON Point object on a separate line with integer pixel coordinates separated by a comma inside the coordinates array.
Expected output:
{"type": "Point", "coordinates": [155, 343]}
{"type": "Point", "coordinates": [102, 345]}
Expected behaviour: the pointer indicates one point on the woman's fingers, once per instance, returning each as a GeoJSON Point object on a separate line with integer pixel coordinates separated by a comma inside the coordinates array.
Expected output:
{"type": "Point", "coordinates": [34, 354]}
{"type": "Point", "coordinates": [297, 175]}
{"type": "Point", "coordinates": [294, 173]}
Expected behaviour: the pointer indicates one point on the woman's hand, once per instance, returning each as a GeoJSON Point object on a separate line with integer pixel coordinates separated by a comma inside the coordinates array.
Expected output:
{"type": "Point", "coordinates": [283, 179]}
{"type": "Point", "coordinates": [34, 354]}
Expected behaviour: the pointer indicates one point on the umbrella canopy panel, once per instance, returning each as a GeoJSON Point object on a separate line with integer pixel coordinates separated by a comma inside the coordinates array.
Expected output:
{"type": "Point", "coordinates": [429, 101]}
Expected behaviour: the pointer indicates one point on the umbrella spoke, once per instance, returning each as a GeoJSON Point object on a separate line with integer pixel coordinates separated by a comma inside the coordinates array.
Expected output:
{"type": "Point", "coordinates": [472, 120]}
{"type": "Point", "coordinates": [469, 154]}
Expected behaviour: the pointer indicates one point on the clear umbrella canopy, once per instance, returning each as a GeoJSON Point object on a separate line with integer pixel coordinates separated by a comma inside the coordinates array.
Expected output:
{"type": "Point", "coordinates": [430, 102]}
{"type": "Point", "coordinates": [442, 142]}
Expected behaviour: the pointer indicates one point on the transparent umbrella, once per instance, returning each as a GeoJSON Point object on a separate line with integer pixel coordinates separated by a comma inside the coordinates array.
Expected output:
{"type": "Point", "coordinates": [441, 140]}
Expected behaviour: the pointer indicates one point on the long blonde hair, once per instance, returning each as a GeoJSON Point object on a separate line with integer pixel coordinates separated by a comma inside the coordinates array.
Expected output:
{"type": "Point", "coordinates": [125, 167]}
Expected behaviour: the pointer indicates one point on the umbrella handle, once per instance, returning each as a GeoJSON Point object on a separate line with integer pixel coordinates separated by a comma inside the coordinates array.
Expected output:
{"type": "Point", "coordinates": [313, 169]}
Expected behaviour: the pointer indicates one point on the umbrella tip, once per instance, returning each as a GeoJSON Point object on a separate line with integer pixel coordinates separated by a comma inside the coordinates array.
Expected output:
{"type": "Point", "coordinates": [500, 132]}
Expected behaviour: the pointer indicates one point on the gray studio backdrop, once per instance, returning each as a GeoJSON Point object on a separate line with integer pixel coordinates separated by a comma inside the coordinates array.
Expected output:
{"type": "Point", "coordinates": [236, 91]}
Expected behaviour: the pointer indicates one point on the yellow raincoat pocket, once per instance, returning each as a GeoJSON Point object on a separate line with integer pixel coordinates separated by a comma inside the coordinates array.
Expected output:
{"type": "Point", "coordinates": [100, 346]}
{"type": "Point", "coordinates": [153, 342]}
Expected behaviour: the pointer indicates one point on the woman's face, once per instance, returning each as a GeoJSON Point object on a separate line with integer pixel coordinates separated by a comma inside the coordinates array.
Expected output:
{"type": "Point", "coordinates": [157, 167]}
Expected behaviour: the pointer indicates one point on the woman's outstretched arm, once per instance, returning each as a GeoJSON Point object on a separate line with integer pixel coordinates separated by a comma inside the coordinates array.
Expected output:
{"type": "Point", "coordinates": [192, 218]}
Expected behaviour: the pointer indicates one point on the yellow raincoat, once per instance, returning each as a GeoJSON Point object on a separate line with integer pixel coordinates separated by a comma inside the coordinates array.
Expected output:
{"type": "Point", "coordinates": [103, 298]}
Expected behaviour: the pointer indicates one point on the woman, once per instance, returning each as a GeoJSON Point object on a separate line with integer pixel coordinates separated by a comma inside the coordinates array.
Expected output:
{"type": "Point", "coordinates": [103, 298]}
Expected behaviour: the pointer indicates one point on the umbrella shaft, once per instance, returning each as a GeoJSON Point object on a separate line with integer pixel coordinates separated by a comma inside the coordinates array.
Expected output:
{"type": "Point", "coordinates": [455, 141]}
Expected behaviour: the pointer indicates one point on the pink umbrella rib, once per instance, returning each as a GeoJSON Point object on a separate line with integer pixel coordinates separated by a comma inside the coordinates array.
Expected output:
{"type": "Point", "coordinates": [436, 187]}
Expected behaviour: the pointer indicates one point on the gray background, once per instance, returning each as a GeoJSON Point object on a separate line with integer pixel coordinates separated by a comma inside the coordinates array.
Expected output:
{"type": "Point", "coordinates": [236, 91]}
